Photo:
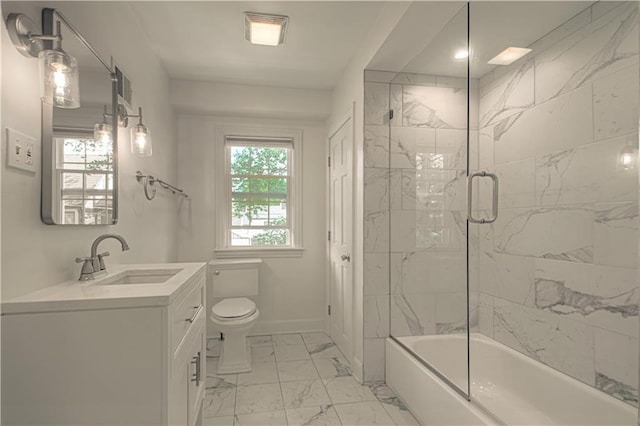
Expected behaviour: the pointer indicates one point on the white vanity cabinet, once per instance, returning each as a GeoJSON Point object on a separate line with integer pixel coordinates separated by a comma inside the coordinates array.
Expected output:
{"type": "Point", "coordinates": [98, 356]}
{"type": "Point", "coordinates": [188, 356]}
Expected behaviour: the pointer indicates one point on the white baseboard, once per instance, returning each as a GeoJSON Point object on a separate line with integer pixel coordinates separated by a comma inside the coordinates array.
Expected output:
{"type": "Point", "coordinates": [279, 327]}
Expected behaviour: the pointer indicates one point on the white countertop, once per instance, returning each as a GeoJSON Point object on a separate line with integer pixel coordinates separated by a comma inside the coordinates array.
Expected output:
{"type": "Point", "coordinates": [82, 295]}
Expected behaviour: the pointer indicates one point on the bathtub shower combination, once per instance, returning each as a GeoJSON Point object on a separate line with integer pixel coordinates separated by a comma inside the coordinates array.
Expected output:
{"type": "Point", "coordinates": [501, 217]}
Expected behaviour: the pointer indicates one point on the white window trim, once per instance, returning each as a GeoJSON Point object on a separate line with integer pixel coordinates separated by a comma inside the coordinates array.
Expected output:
{"type": "Point", "coordinates": [223, 194]}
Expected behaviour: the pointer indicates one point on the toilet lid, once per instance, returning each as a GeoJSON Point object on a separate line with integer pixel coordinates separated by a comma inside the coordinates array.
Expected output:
{"type": "Point", "coordinates": [234, 307]}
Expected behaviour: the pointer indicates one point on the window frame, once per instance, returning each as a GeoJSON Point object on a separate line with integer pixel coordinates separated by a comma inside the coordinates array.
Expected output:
{"type": "Point", "coordinates": [223, 191]}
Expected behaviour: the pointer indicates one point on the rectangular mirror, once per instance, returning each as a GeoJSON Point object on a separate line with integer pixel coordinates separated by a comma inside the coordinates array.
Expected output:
{"type": "Point", "coordinates": [79, 172]}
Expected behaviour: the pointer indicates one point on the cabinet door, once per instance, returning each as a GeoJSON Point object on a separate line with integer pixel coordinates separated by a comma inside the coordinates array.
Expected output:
{"type": "Point", "coordinates": [197, 376]}
{"type": "Point", "coordinates": [180, 393]}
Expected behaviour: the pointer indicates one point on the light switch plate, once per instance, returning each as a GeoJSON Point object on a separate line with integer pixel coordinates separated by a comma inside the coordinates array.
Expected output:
{"type": "Point", "coordinates": [21, 151]}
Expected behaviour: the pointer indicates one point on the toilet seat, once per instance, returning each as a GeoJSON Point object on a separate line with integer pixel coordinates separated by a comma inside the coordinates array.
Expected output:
{"type": "Point", "coordinates": [233, 308]}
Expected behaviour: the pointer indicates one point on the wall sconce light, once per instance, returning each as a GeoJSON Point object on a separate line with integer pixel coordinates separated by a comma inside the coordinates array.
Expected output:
{"type": "Point", "coordinates": [60, 70]}
{"type": "Point", "coordinates": [628, 155]}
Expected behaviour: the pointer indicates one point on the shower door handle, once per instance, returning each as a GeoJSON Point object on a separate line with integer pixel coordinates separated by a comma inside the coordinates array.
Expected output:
{"type": "Point", "coordinates": [494, 203]}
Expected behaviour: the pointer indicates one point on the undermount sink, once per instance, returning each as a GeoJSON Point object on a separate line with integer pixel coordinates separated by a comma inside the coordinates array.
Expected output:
{"type": "Point", "coordinates": [140, 276]}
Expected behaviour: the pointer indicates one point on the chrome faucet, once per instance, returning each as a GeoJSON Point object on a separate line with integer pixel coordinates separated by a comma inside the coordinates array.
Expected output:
{"type": "Point", "coordinates": [94, 265]}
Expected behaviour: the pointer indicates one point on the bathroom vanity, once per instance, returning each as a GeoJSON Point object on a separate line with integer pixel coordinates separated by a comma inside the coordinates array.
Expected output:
{"type": "Point", "coordinates": [125, 349]}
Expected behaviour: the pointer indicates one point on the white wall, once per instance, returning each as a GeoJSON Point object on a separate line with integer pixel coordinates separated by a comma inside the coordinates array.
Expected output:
{"type": "Point", "coordinates": [35, 255]}
{"type": "Point", "coordinates": [350, 90]}
{"type": "Point", "coordinates": [234, 100]}
{"type": "Point", "coordinates": [292, 290]}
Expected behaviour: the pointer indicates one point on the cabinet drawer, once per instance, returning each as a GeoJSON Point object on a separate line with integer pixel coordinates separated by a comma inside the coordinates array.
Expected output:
{"type": "Point", "coordinates": [185, 311]}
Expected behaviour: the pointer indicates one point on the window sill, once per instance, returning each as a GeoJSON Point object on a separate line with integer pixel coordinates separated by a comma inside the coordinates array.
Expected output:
{"type": "Point", "coordinates": [258, 252]}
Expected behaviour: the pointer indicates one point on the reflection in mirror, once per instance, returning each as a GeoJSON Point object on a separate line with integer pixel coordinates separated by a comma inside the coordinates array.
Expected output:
{"type": "Point", "coordinates": [84, 173]}
{"type": "Point", "coordinates": [79, 169]}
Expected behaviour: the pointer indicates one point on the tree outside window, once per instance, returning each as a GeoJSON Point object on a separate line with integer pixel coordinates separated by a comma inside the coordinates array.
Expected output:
{"type": "Point", "coordinates": [260, 181]}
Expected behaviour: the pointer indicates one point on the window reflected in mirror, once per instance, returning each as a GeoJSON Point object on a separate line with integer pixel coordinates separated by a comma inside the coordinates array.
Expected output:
{"type": "Point", "coordinates": [84, 176]}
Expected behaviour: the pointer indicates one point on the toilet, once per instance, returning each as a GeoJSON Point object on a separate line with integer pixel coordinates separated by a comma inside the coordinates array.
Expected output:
{"type": "Point", "coordinates": [233, 313]}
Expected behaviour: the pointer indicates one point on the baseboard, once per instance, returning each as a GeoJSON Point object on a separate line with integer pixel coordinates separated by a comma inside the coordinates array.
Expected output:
{"type": "Point", "coordinates": [279, 327]}
{"type": "Point", "coordinates": [357, 369]}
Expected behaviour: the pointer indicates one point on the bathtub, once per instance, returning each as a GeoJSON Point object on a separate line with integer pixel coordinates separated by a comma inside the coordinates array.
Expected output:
{"type": "Point", "coordinates": [510, 386]}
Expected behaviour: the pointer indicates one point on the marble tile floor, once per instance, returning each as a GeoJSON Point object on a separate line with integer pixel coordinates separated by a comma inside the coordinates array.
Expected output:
{"type": "Point", "coordinates": [297, 379]}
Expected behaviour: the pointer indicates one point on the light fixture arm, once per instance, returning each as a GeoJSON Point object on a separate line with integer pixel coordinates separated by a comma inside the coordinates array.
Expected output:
{"type": "Point", "coordinates": [48, 17]}
{"type": "Point", "coordinates": [24, 35]}
{"type": "Point", "coordinates": [123, 116]}
{"type": "Point", "coordinates": [139, 115]}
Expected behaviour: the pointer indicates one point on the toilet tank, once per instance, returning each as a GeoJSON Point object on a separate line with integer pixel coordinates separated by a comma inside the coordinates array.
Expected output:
{"type": "Point", "coordinates": [234, 277]}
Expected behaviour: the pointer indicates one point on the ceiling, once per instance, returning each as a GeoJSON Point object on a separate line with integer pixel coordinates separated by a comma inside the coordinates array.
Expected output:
{"type": "Point", "coordinates": [205, 40]}
{"type": "Point", "coordinates": [493, 26]}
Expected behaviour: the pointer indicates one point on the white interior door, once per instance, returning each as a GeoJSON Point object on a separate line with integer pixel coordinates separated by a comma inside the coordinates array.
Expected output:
{"type": "Point", "coordinates": [341, 208]}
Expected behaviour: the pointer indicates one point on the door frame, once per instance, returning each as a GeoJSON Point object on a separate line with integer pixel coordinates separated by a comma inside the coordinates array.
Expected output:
{"type": "Point", "coordinates": [347, 115]}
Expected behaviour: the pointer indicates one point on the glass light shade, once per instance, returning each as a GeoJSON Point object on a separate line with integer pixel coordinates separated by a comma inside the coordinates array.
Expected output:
{"type": "Point", "coordinates": [628, 157]}
{"type": "Point", "coordinates": [140, 141]}
{"type": "Point", "coordinates": [102, 133]}
{"type": "Point", "coordinates": [61, 80]}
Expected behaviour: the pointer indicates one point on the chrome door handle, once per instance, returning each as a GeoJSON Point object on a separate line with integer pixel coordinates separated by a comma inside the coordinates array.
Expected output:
{"type": "Point", "coordinates": [494, 203]}
{"type": "Point", "coordinates": [346, 257]}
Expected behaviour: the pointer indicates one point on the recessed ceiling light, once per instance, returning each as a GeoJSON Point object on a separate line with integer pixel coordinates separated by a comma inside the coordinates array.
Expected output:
{"type": "Point", "coordinates": [267, 30]}
{"type": "Point", "coordinates": [461, 54]}
{"type": "Point", "coordinates": [509, 56]}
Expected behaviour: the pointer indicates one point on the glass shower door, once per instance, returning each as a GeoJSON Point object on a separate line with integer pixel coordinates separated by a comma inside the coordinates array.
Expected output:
{"type": "Point", "coordinates": [554, 278]}
{"type": "Point", "coordinates": [428, 136]}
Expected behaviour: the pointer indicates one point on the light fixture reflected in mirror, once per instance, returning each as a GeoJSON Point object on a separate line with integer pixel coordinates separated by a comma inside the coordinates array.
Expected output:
{"type": "Point", "coordinates": [102, 131]}
{"type": "Point", "coordinates": [628, 155]}
{"type": "Point", "coordinates": [461, 54]}
{"type": "Point", "coordinates": [141, 138]}
{"type": "Point", "coordinates": [509, 56]}
{"type": "Point", "coordinates": [140, 134]}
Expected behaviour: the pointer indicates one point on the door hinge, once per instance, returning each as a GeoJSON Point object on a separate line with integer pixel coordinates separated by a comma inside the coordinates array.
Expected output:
{"type": "Point", "coordinates": [390, 114]}
{"type": "Point", "coordinates": [329, 235]}
{"type": "Point", "coordinates": [328, 161]}
{"type": "Point", "coordinates": [329, 309]}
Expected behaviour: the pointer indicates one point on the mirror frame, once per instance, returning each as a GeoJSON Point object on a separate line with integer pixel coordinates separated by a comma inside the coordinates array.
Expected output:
{"type": "Point", "coordinates": [48, 145]}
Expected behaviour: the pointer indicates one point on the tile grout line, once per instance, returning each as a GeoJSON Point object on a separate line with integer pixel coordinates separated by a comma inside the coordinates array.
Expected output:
{"type": "Point", "coordinates": [332, 404]}
{"type": "Point", "coordinates": [313, 362]}
{"type": "Point", "coordinates": [284, 409]}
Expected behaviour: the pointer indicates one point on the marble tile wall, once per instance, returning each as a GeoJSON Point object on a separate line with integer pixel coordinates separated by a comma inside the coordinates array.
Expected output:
{"type": "Point", "coordinates": [377, 202]}
{"type": "Point", "coordinates": [414, 197]}
{"type": "Point", "coordinates": [556, 276]}
{"type": "Point", "coordinates": [559, 269]}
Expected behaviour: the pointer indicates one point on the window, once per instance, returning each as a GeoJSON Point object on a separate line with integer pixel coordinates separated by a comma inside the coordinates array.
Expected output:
{"type": "Point", "coordinates": [84, 180]}
{"type": "Point", "coordinates": [258, 193]}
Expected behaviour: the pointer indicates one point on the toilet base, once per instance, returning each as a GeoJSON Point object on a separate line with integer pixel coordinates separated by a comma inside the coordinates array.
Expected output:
{"type": "Point", "coordinates": [235, 356]}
